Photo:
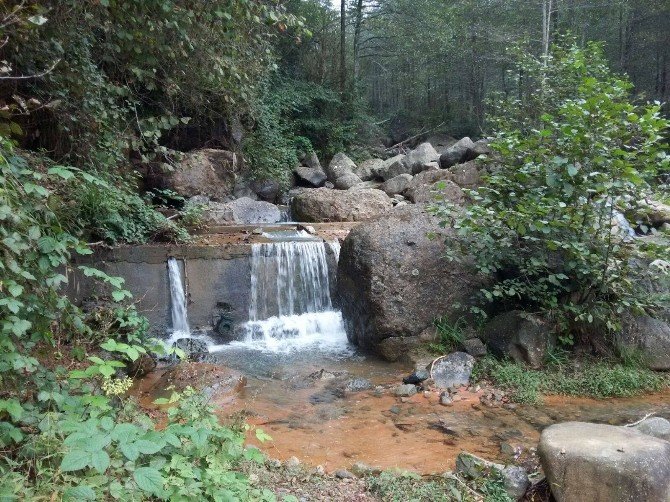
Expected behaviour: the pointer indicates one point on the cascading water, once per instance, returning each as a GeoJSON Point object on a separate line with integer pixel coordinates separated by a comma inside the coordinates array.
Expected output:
{"type": "Point", "coordinates": [178, 310]}
{"type": "Point", "coordinates": [290, 306]}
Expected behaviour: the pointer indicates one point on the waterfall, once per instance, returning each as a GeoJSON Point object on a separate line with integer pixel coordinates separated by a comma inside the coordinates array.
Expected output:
{"type": "Point", "coordinates": [180, 327]}
{"type": "Point", "coordinates": [335, 248]}
{"type": "Point", "coordinates": [290, 307]}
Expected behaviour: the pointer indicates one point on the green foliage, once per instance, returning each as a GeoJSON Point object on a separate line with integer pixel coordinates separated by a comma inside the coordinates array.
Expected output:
{"type": "Point", "coordinates": [129, 75]}
{"type": "Point", "coordinates": [563, 163]}
{"type": "Point", "coordinates": [73, 435]}
{"type": "Point", "coordinates": [406, 486]}
{"type": "Point", "coordinates": [599, 379]}
{"type": "Point", "coordinates": [451, 335]}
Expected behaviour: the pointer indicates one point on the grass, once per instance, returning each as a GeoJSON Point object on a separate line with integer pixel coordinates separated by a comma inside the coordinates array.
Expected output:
{"type": "Point", "coordinates": [452, 335]}
{"type": "Point", "coordinates": [405, 486]}
{"type": "Point", "coordinates": [587, 378]}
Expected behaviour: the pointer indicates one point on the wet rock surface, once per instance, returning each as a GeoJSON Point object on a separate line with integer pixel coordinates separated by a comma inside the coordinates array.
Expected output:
{"type": "Point", "coordinates": [242, 211]}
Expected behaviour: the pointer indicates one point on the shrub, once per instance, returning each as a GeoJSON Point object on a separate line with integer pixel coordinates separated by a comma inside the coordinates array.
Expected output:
{"type": "Point", "coordinates": [565, 162]}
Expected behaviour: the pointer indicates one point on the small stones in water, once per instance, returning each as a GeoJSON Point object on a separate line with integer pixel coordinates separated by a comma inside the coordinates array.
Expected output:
{"type": "Point", "coordinates": [257, 231]}
{"type": "Point", "coordinates": [417, 377]}
{"type": "Point", "coordinates": [405, 390]}
{"type": "Point", "coordinates": [445, 399]}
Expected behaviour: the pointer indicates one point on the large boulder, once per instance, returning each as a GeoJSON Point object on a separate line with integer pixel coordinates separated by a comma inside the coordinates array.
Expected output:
{"type": "Point", "coordinates": [521, 336]}
{"type": "Point", "coordinates": [462, 151]}
{"type": "Point", "coordinates": [649, 336]}
{"type": "Point", "coordinates": [346, 181]}
{"type": "Point", "coordinates": [397, 184]}
{"type": "Point", "coordinates": [324, 205]}
{"type": "Point", "coordinates": [465, 175]}
{"type": "Point", "coordinates": [312, 161]}
{"type": "Point", "coordinates": [243, 211]}
{"type": "Point", "coordinates": [654, 426]}
{"type": "Point", "coordinates": [420, 157]}
{"type": "Point", "coordinates": [587, 462]}
{"type": "Point", "coordinates": [392, 167]}
{"type": "Point", "coordinates": [367, 169]}
{"type": "Point", "coordinates": [427, 186]}
{"type": "Point", "coordinates": [266, 189]}
{"type": "Point", "coordinates": [310, 176]}
{"type": "Point", "coordinates": [339, 165]}
{"type": "Point", "coordinates": [206, 172]}
{"type": "Point", "coordinates": [393, 280]}
{"type": "Point", "coordinates": [340, 172]}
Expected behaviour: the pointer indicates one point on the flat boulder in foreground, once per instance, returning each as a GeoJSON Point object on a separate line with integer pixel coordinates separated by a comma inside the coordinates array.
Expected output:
{"type": "Point", "coordinates": [587, 462]}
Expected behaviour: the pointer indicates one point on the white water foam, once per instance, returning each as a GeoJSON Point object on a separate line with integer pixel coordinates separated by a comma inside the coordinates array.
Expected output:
{"type": "Point", "coordinates": [291, 308]}
{"type": "Point", "coordinates": [178, 312]}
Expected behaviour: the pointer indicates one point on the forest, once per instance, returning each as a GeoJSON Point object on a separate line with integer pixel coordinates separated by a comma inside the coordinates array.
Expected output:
{"type": "Point", "coordinates": [227, 224]}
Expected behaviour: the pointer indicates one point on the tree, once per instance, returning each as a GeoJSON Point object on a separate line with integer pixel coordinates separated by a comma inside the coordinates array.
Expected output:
{"type": "Point", "coordinates": [566, 159]}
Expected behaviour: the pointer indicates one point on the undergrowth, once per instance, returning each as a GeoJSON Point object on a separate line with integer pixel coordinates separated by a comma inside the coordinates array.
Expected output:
{"type": "Point", "coordinates": [589, 378]}
{"type": "Point", "coordinates": [403, 486]}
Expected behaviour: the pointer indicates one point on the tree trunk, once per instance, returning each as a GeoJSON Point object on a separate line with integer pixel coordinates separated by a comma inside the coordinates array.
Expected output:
{"type": "Point", "coordinates": [343, 48]}
{"type": "Point", "coordinates": [357, 39]}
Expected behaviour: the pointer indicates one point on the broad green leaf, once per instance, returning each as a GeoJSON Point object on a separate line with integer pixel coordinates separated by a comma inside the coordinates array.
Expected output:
{"type": "Point", "coordinates": [149, 480]}
{"type": "Point", "coordinates": [75, 460]}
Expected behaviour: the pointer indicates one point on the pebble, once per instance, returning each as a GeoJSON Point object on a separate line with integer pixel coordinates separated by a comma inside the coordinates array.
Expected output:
{"type": "Point", "coordinates": [395, 410]}
{"type": "Point", "coordinates": [320, 470]}
{"type": "Point", "coordinates": [405, 390]}
{"type": "Point", "coordinates": [445, 399]}
{"type": "Point", "coordinates": [344, 474]}
{"type": "Point", "coordinates": [293, 463]}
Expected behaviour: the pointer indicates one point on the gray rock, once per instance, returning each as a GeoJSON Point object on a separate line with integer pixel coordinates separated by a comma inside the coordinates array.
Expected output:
{"type": "Point", "coordinates": [587, 462]}
{"type": "Point", "coordinates": [482, 147]}
{"type": "Point", "coordinates": [312, 161]}
{"type": "Point", "coordinates": [515, 478]}
{"type": "Point", "coordinates": [392, 278]}
{"type": "Point", "coordinates": [441, 142]}
{"type": "Point", "coordinates": [475, 347]}
{"type": "Point", "coordinates": [309, 176]}
{"type": "Point", "coordinates": [397, 184]}
{"type": "Point", "coordinates": [344, 474]}
{"type": "Point", "coordinates": [323, 205]}
{"type": "Point", "coordinates": [392, 167]}
{"type": "Point", "coordinates": [445, 399]}
{"type": "Point", "coordinates": [461, 151]}
{"type": "Point", "coordinates": [416, 377]}
{"type": "Point", "coordinates": [243, 189]}
{"type": "Point", "coordinates": [521, 336]}
{"type": "Point", "coordinates": [339, 166]}
{"type": "Point", "coordinates": [141, 366]}
{"type": "Point", "coordinates": [465, 175]}
{"type": "Point", "coordinates": [266, 189]}
{"type": "Point", "coordinates": [428, 186]}
{"type": "Point", "coordinates": [346, 181]}
{"type": "Point", "coordinates": [207, 172]}
{"type": "Point", "coordinates": [368, 184]}
{"type": "Point", "coordinates": [244, 211]}
{"type": "Point", "coordinates": [358, 385]}
{"type": "Point", "coordinates": [453, 370]}
{"type": "Point", "coordinates": [650, 336]}
{"type": "Point", "coordinates": [422, 155]}
{"type": "Point", "coordinates": [194, 348]}
{"type": "Point", "coordinates": [405, 390]}
{"type": "Point", "coordinates": [367, 169]}
{"type": "Point", "coordinates": [654, 426]}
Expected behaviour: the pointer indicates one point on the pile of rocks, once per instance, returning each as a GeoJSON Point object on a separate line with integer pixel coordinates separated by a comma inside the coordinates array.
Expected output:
{"type": "Point", "coordinates": [342, 191]}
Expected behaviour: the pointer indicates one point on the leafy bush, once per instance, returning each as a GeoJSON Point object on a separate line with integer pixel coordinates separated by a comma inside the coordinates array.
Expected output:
{"type": "Point", "coordinates": [564, 162]}
{"type": "Point", "coordinates": [71, 434]}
